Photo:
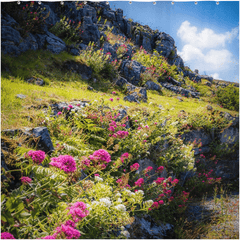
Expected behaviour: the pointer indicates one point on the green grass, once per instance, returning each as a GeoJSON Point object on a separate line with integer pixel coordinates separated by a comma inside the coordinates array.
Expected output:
{"type": "Point", "coordinates": [62, 85]}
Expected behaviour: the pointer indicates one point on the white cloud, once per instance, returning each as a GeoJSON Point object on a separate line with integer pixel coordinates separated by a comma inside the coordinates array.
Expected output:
{"type": "Point", "coordinates": [205, 49]}
{"type": "Point", "coordinates": [206, 38]}
{"type": "Point", "coordinates": [216, 76]}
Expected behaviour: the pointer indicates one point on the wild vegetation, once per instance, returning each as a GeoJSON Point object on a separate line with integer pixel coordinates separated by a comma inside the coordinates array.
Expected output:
{"type": "Point", "coordinates": [92, 185]}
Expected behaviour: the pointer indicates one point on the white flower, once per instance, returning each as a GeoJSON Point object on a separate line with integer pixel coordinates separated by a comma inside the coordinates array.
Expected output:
{"type": "Point", "coordinates": [127, 191]}
{"type": "Point", "coordinates": [145, 135]}
{"type": "Point", "coordinates": [125, 233]}
{"type": "Point", "coordinates": [122, 228]}
{"type": "Point", "coordinates": [98, 179]}
{"type": "Point", "coordinates": [150, 103]}
{"type": "Point", "coordinates": [47, 118]}
{"type": "Point", "coordinates": [131, 194]}
{"type": "Point", "coordinates": [154, 184]}
{"type": "Point", "coordinates": [118, 194]}
{"type": "Point", "coordinates": [119, 200]}
{"type": "Point", "coordinates": [141, 192]}
{"type": "Point", "coordinates": [120, 207]}
{"type": "Point", "coordinates": [76, 114]}
{"type": "Point", "coordinates": [149, 203]}
{"type": "Point", "coordinates": [95, 202]}
{"type": "Point", "coordinates": [106, 201]}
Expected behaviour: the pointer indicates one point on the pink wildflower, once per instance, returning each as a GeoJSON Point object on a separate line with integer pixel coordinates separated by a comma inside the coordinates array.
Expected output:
{"type": "Point", "coordinates": [7, 235]}
{"type": "Point", "coordinates": [37, 156]}
{"type": "Point", "coordinates": [124, 156]}
{"type": "Point", "coordinates": [101, 155]}
{"type": "Point", "coordinates": [70, 106]}
{"type": "Point", "coordinates": [154, 205]}
{"type": "Point", "coordinates": [64, 162]}
{"type": "Point", "coordinates": [118, 98]}
{"type": "Point", "coordinates": [159, 180]}
{"type": "Point", "coordinates": [161, 202]}
{"type": "Point", "coordinates": [122, 134]}
{"type": "Point", "coordinates": [134, 167]}
{"type": "Point", "coordinates": [161, 195]}
{"type": "Point", "coordinates": [111, 99]}
{"type": "Point", "coordinates": [160, 169]}
{"type": "Point", "coordinates": [68, 231]}
{"type": "Point", "coordinates": [59, 113]}
{"type": "Point", "coordinates": [139, 182]}
{"type": "Point", "coordinates": [78, 211]}
{"type": "Point", "coordinates": [96, 174]}
{"type": "Point", "coordinates": [113, 92]}
{"type": "Point", "coordinates": [26, 180]}
{"type": "Point", "coordinates": [49, 237]}
{"type": "Point", "coordinates": [148, 169]}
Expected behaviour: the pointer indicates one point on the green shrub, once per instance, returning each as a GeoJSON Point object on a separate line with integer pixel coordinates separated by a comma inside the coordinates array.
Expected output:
{"type": "Point", "coordinates": [67, 30]}
{"type": "Point", "coordinates": [228, 97]}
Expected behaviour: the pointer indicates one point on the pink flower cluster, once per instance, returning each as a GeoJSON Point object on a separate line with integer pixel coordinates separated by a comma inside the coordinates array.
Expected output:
{"type": "Point", "coordinates": [26, 180]}
{"type": "Point", "coordinates": [100, 156]}
{"type": "Point", "coordinates": [156, 205]}
{"type": "Point", "coordinates": [7, 235]}
{"type": "Point", "coordinates": [174, 182]}
{"type": "Point", "coordinates": [120, 134]}
{"type": "Point", "coordinates": [78, 211]}
{"type": "Point", "coordinates": [64, 162]}
{"type": "Point", "coordinates": [134, 167]}
{"type": "Point", "coordinates": [68, 231]}
{"type": "Point", "coordinates": [159, 180]}
{"type": "Point", "coordinates": [37, 156]}
{"type": "Point", "coordinates": [160, 169]}
{"type": "Point", "coordinates": [124, 156]}
{"type": "Point", "coordinates": [148, 169]}
{"type": "Point", "coordinates": [139, 182]}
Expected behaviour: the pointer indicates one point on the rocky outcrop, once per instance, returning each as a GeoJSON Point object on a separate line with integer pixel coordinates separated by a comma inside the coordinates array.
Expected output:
{"type": "Point", "coordinates": [132, 70]}
{"type": "Point", "coordinates": [145, 228]}
{"type": "Point", "coordinates": [180, 90]}
{"type": "Point", "coordinates": [81, 69]}
{"type": "Point", "coordinates": [150, 85]}
{"type": "Point", "coordinates": [143, 164]}
{"type": "Point", "coordinates": [42, 140]}
{"type": "Point", "coordinates": [135, 94]}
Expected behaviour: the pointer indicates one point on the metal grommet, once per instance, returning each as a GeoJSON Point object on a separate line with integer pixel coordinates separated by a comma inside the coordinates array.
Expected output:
{"type": "Point", "coordinates": [85, 2]}
{"type": "Point", "coordinates": [130, 2]}
{"type": "Point", "coordinates": [172, 3]}
{"type": "Point", "coordinates": [39, 2]}
{"type": "Point", "coordinates": [18, 2]}
{"type": "Point", "coordinates": [196, 3]}
{"type": "Point", "coordinates": [217, 3]}
{"type": "Point", "coordinates": [61, 2]}
{"type": "Point", "coordinates": [107, 3]}
{"type": "Point", "coordinates": [154, 3]}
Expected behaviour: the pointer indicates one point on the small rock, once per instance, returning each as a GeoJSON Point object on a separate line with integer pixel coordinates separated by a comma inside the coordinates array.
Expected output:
{"type": "Point", "coordinates": [37, 81]}
{"type": "Point", "coordinates": [90, 88]}
{"type": "Point", "coordinates": [21, 96]}
{"type": "Point", "coordinates": [209, 107]}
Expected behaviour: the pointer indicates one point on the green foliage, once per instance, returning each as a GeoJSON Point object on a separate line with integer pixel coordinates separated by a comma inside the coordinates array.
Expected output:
{"type": "Point", "coordinates": [157, 67]}
{"type": "Point", "coordinates": [228, 97]}
{"type": "Point", "coordinates": [98, 61]}
{"type": "Point", "coordinates": [67, 30]}
{"type": "Point", "coordinates": [29, 17]}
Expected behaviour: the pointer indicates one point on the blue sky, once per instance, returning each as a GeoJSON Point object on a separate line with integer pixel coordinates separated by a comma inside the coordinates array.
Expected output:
{"type": "Point", "coordinates": [206, 34]}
